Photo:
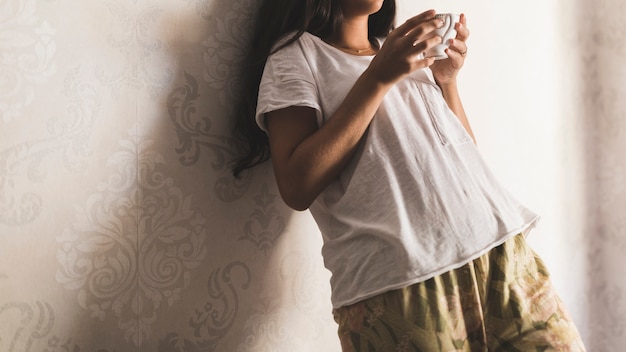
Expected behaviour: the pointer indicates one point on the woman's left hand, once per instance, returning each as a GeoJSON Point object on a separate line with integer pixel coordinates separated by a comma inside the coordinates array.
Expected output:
{"type": "Point", "coordinates": [446, 70]}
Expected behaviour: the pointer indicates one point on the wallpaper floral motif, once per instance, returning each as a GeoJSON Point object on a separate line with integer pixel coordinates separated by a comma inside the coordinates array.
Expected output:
{"type": "Point", "coordinates": [28, 49]}
{"type": "Point", "coordinates": [121, 227]}
{"type": "Point", "coordinates": [134, 244]}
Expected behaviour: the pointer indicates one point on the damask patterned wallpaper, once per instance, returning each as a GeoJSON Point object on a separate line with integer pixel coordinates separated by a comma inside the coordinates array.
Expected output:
{"type": "Point", "coordinates": [121, 228]}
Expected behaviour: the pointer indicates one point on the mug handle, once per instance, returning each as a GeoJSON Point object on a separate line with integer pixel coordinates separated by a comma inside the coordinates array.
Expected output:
{"type": "Point", "coordinates": [451, 31]}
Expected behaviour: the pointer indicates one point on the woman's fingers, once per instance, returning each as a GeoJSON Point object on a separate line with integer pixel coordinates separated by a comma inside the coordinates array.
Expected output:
{"type": "Point", "coordinates": [412, 23]}
{"type": "Point", "coordinates": [462, 33]}
{"type": "Point", "coordinates": [401, 52]}
{"type": "Point", "coordinates": [425, 44]}
{"type": "Point", "coordinates": [458, 46]}
{"type": "Point", "coordinates": [420, 37]}
{"type": "Point", "coordinates": [424, 30]}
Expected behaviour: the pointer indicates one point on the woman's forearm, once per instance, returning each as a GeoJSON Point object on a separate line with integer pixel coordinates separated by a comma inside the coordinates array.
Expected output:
{"type": "Point", "coordinates": [305, 166]}
{"type": "Point", "coordinates": [451, 96]}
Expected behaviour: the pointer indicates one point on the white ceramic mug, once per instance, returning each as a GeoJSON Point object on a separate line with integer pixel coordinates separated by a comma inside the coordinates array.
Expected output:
{"type": "Point", "coordinates": [447, 32]}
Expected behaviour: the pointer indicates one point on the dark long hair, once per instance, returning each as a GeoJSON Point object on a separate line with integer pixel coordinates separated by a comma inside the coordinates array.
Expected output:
{"type": "Point", "coordinates": [276, 19]}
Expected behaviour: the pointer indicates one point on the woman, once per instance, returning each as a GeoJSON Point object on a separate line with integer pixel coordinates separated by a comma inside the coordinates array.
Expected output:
{"type": "Point", "coordinates": [425, 248]}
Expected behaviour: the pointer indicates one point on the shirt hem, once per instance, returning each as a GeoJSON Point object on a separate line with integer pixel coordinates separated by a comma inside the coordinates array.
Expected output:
{"type": "Point", "coordinates": [523, 230]}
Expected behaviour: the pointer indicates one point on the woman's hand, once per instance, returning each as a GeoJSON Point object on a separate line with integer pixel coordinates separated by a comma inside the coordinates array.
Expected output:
{"type": "Point", "coordinates": [400, 54]}
{"type": "Point", "coordinates": [445, 71]}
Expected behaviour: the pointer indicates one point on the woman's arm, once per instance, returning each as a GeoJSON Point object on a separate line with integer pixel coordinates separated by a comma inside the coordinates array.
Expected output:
{"type": "Point", "coordinates": [451, 96]}
{"type": "Point", "coordinates": [307, 158]}
{"type": "Point", "coordinates": [446, 71]}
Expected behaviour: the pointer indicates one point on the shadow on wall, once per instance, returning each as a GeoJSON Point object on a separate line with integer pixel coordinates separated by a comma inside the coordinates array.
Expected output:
{"type": "Point", "coordinates": [157, 247]}
{"type": "Point", "coordinates": [240, 220]}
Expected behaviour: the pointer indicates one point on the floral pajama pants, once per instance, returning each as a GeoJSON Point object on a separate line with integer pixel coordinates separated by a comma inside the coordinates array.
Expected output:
{"type": "Point", "coordinates": [502, 301]}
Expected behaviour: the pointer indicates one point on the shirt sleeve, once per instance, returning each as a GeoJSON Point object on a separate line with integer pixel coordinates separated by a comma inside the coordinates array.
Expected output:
{"type": "Point", "coordinates": [287, 81]}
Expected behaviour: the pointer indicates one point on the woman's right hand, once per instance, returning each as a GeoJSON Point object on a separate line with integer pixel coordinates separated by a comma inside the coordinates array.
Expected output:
{"type": "Point", "coordinates": [400, 54]}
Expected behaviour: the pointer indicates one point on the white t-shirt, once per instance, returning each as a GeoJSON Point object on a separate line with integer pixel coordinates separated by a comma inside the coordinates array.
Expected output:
{"type": "Point", "coordinates": [417, 199]}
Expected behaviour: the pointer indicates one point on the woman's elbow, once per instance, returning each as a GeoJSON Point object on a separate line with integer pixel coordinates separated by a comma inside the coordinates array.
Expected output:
{"type": "Point", "coordinates": [296, 198]}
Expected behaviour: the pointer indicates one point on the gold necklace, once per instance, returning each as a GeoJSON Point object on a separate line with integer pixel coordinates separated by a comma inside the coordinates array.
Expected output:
{"type": "Point", "coordinates": [357, 51]}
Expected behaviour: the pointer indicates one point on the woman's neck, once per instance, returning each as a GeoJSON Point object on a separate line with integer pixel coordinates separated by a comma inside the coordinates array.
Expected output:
{"type": "Point", "coordinates": [353, 37]}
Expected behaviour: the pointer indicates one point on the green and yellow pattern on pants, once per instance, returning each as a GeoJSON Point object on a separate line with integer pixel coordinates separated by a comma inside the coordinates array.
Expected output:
{"type": "Point", "coordinates": [502, 301]}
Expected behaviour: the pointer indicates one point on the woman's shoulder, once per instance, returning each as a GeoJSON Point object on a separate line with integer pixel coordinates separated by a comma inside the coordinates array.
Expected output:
{"type": "Point", "coordinates": [292, 53]}
{"type": "Point", "coordinates": [302, 39]}
{"type": "Point", "coordinates": [296, 49]}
